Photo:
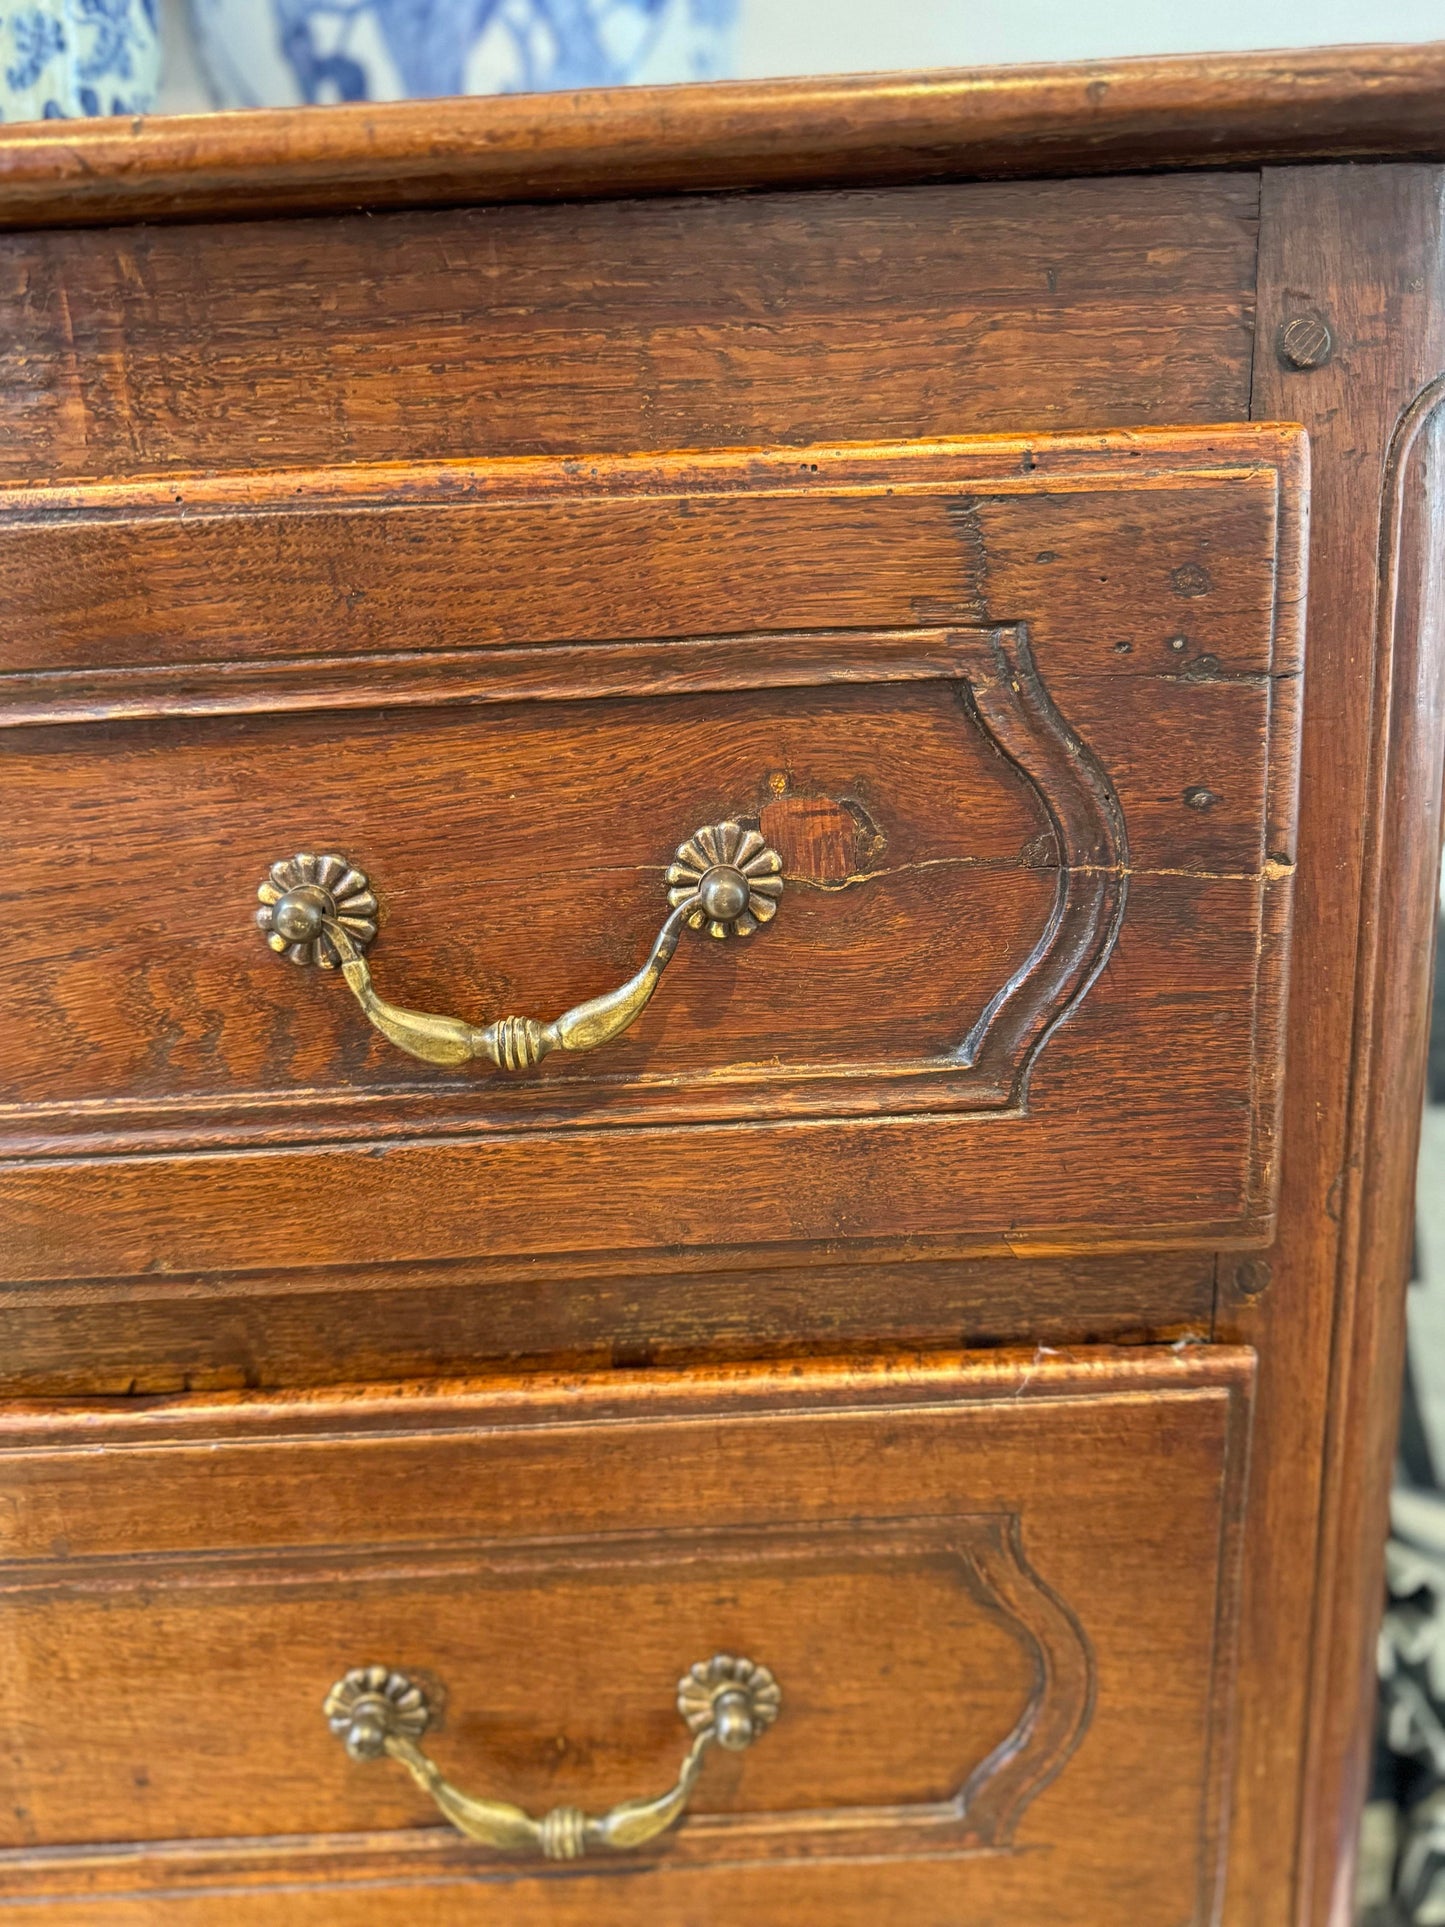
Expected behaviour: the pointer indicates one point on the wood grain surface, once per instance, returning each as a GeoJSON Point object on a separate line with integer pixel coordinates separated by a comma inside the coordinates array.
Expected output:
{"type": "Point", "coordinates": [1012, 1575]}
{"type": "Point", "coordinates": [625, 325]}
{"type": "Point", "coordinates": [1009, 787]}
{"type": "Point", "coordinates": [1204, 111]}
{"type": "Point", "coordinates": [1363, 247]}
{"type": "Point", "coordinates": [367, 1320]}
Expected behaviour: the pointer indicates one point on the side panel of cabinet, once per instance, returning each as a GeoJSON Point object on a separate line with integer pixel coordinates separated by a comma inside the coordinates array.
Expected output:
{"type": "Point", "coordinates": [1364, 250]}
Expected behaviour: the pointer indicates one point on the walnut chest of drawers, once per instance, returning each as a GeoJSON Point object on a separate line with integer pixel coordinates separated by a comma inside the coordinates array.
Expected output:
{"type": "Point", "coordinates": [720, 818]}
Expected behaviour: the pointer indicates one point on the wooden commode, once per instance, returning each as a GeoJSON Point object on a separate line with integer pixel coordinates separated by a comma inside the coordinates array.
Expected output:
{"type": "Point", "coordinates": [720, 819]}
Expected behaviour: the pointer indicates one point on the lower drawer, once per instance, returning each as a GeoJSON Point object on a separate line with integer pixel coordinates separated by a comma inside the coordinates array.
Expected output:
{"type": "Point", "coordinates": [986, 1603]}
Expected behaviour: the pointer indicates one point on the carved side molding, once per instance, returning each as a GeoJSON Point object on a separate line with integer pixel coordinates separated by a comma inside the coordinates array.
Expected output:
{"type": "Point", "coordinates": [1009, 700]}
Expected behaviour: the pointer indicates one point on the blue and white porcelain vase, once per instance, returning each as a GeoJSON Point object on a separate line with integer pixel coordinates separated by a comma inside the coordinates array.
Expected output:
{"type": "Point", "coordinates": [64, 59]}
{"type": "Point", "coordinates": [280, 53]}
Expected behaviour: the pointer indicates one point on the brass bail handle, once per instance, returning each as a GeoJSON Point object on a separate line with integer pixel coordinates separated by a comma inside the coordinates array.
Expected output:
{"type": "Point", "coordinates": [321, 910]}
{"type": "Point", "coordinates": [379, 1713]}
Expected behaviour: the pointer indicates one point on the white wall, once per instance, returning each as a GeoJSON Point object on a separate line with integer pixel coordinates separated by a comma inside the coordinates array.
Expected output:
{"type": "Point", "coordinates": [854, 36]}
{"type": "Point", "coordinates": [851, 36]}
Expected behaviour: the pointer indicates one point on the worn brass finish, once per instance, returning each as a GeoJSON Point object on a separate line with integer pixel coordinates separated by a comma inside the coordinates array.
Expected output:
{"type": "Point", "coordinates": [730, 1702]}
{"type": "Point", "coordinates": [724, 879]}
{"type": "Point", "coordinates": [306, 898]}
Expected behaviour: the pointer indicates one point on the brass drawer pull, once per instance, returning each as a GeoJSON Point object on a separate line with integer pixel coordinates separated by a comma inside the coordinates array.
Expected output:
{"type": "Point", "coordinates": [320, 910]}
{"type": "Point", "coordinates": [376, 1711]}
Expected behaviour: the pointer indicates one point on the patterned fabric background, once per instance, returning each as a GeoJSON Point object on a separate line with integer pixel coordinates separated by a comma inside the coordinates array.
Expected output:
{"type": "Point", "coordinates": [1403, 1858]}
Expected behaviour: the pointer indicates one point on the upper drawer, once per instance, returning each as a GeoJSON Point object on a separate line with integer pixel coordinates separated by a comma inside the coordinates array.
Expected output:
{"type": "Point", "coordinates": [1010, 727]}
{"type": "Point", "coordinates": [995, 1596]}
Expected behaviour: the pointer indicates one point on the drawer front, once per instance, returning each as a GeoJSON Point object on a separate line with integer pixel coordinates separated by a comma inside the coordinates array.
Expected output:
{"type": "Point", "coordinates": [985, 1596]}
{"type": "Point", "coordinates": [1008, 733]}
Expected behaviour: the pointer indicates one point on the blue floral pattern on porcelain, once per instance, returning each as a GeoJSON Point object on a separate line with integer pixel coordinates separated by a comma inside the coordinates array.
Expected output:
{"type": "Point", "coordinates": [284, 52]}
{"type": "Point", "coordinates": [65, 59]}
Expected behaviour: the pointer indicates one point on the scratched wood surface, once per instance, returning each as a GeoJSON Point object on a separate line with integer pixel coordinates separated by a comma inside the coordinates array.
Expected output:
{"type": "Point", "coordinates": [366, 1319]}
{"type": "Point", "coordinates": [431, 562]}
{"type": "Point", "coordinates": [691, 323]}
{"type": "Point", "coordinates": [1015, 1573]}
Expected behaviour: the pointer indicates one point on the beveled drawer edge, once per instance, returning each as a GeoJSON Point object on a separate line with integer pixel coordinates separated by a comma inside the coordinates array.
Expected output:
{"type": "Point", "coordinates": [902, 1379]}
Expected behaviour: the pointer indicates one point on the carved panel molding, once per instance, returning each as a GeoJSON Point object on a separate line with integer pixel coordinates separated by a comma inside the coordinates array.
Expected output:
{"type": "Point", "coordinates": [984, 1561]}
